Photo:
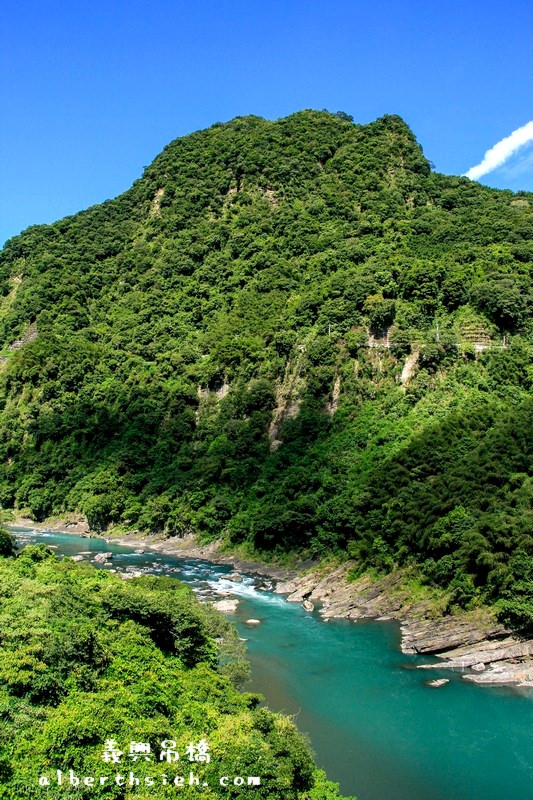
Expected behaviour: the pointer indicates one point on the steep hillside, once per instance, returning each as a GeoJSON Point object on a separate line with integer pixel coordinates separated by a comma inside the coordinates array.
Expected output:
{"type": "Point", "coordinates": [292, 333]}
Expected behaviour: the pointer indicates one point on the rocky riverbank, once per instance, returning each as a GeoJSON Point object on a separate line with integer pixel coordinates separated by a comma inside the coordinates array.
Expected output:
{"type": "Point", "coordinates": [186, 547]}
{"type": "Point", "coordinates": [189, 548]}
{"type": "Point", "coordinates": [473, 642]}
{"type": "Point", "coordinates": [75, 524]}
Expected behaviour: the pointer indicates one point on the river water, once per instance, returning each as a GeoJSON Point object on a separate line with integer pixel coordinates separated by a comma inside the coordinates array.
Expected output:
{"type": "Point", "coordinates": [374, 724]}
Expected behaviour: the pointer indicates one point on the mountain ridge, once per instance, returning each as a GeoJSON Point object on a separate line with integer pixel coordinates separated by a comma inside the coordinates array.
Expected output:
{"type": "Point", "coordinates": [221, 348]}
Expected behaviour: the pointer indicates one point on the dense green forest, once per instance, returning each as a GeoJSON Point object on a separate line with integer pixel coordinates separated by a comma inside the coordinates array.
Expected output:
{"type": "Point", "coordinates": [294, 335]}
{"type": "Point", "coordinates": [87, 658]}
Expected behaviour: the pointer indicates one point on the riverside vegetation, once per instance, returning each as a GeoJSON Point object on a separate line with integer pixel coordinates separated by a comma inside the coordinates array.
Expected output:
{"type": "Point", "coordinates": [87, 657]}
{"type": "Point", "coordinates": [294, 335]}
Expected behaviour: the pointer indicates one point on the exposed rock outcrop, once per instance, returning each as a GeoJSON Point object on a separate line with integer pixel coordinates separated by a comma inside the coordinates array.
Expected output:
{"type": "Point", "coordinates": [472, 641]}
{"type": "Point", "coordinates": [409, 366]}
{"type": "Point", "coordinates": [441, 635]}
{"type": "Point", "coordinates": [30, 334]}
{"type": "Point", "coordinates": [288, 398]}
{"type": "Point", "coordinates": [155, 205]}
{"type": "Point", "coordinates": [333, 404]}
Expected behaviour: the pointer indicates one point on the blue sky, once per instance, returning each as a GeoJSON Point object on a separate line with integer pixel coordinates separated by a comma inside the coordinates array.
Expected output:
{"type": "Point", "coordinates": [90, 92]}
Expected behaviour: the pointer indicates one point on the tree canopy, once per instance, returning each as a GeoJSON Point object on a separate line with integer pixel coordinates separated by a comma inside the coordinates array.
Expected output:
{"type": "Point", "coordinates": [88, 659]}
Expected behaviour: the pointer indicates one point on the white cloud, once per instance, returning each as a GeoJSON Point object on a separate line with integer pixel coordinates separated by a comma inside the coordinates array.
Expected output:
{"type": "Point", "coordinates": [502, 151]}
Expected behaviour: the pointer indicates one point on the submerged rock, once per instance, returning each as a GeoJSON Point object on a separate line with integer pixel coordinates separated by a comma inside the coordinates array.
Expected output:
{"type": "Point", "coordinates": [253, 622]}
{"type": "Point", "coordinates": [435, 684]}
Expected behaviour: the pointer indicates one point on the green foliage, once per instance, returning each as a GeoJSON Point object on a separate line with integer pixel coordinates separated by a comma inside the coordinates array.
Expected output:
{"type": "Point", "coordinates": [202, 360]}
{"type": "Point", "coordinates": [87, 657]}
{"type": "Point", "coordinates": [505, 301]}
{"type": "Point", "coordinates": [7, 543]}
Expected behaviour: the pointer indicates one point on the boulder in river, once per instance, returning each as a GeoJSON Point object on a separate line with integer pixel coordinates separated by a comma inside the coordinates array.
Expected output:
{"type": "Point", "coordinates": [102, 558]}
{"type": "Point", "coordinates": [131, 573]}
{"type": "Point", "coordinates": [308, 605]}
{"type": "Point", "coordinates": [235, 577]}
{"type": "Point", "coordinates": [77, 558]}
{"type": "Point", "coordinates": [227, 606]}
{"type": "Point", "coordinates": [253, 622]}
{"type": "Point", "coordinates": [437, 683]}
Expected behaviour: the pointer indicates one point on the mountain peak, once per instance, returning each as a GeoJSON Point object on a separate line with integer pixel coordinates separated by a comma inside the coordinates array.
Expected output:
{"type": "Point", "coordinates": [290, 333]}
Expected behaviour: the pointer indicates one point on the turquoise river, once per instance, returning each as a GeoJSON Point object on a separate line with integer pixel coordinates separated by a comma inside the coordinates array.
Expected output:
{"type": "Point", "coordinates": [374, 724]}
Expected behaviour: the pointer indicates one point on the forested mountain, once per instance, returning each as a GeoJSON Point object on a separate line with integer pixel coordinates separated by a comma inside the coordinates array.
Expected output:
{"type": "Point", "coordinates": [293, 334]}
